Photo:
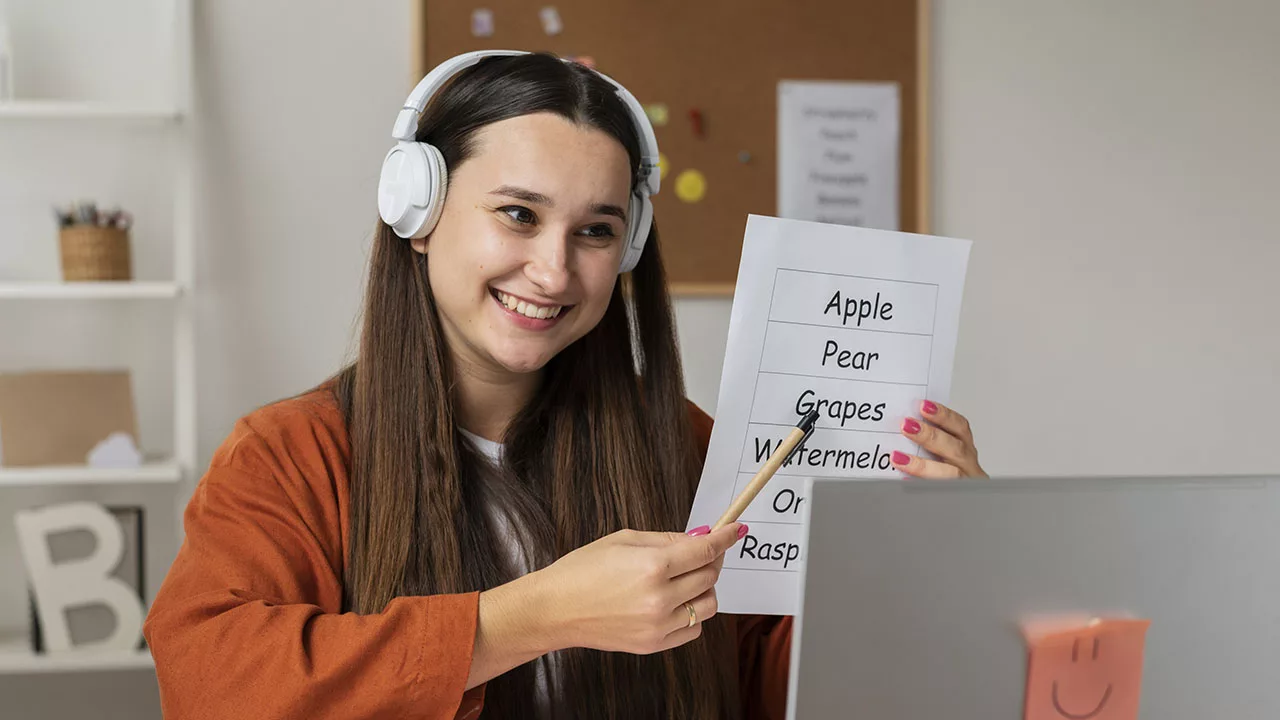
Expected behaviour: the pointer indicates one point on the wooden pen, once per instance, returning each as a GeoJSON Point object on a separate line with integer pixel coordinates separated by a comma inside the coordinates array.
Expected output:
{"type": "Point", "coordinates": [802, 431]}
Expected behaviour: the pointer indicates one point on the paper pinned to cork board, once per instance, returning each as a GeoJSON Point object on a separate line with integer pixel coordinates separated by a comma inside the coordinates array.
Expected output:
{"type": "Point", "coordinates": [838, 152]}
{"type": "Point", "coordinates": [60, 417]}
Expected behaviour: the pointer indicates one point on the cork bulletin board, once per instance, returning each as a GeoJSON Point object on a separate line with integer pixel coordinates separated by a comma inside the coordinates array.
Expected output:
{"type": "Point", "coordinates": [720, 60]}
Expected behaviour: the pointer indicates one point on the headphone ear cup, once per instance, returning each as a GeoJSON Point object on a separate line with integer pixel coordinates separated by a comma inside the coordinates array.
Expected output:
{"type": "Point", "coordinates": [640, 211]}
{"type": "Point", "coordinates": [411, 189]}
{"type": "Point", "coordinates": [437, 185]}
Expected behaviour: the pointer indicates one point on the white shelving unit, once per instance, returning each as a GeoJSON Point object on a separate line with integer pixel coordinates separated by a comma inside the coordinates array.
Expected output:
{"type": "Point", "coordinates": [45, 110]}
{"type": "Point", "coordinates": [155, 472]}
{"type": "Point", "coordinates": [90, 290]}
{"type": "Point", "coordinates": [16, 657]}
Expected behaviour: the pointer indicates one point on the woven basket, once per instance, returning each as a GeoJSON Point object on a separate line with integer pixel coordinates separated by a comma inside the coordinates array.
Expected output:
{"type": "Point", "coordinates": [95, 253]}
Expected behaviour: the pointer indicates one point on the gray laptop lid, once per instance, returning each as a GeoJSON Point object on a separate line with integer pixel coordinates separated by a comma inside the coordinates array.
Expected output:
{"type": "Point", "coordinates": [913, 592]}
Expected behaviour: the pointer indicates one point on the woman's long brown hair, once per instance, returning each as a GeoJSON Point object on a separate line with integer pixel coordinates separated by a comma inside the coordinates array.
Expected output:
{"type": "Point", "coordinates": [605, 444]}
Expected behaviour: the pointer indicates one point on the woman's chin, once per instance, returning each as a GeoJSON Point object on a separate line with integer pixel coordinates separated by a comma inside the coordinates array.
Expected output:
{"type": "Point", "coordinates": [522, 364]}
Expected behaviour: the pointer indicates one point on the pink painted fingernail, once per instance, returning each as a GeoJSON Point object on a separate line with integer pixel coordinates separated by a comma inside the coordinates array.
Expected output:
{"type": "Point", "coordinates": [911, 426]}
{"type": "Point", "coordinates": [929, 408]}
{"type": "Point", "coordinates": [700, 530]}
{"type": "Point", "coordinates": [742, 531]}
{"type": "Point", "coordinates": [900, 458]}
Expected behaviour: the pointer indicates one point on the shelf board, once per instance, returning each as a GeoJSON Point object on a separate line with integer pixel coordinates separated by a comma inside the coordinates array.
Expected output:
{"type": "Point", "coordinates": [16, 658]}
{"type": "Point", "coordinates": [76, 110]}
{"type": "Point", "coordinates": [158, 472]}
{"type": "Point", "coordinates": [89, 290]}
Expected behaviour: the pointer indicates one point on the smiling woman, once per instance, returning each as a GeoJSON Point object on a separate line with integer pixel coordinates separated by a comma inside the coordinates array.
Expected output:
{"type": "Point", "coordinates": [478, 508]}
{"type": "Point", "coordinates": [547, 237]}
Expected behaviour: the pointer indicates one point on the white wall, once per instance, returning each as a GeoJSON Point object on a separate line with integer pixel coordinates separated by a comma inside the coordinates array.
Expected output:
{"type": "Point", "coordinates": [1112, 163]}
{"type": "Point", "coordinates": [1117, 167]}
{"type": "Point", "coordinates": [297, 102]}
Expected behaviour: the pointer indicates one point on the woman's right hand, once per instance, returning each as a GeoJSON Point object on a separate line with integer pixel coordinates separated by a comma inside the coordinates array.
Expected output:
{"type": "Point", "coordinates": [627, 591]}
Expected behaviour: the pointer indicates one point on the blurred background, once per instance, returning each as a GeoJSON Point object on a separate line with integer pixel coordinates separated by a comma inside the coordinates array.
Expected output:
{"type": "Point", "coordinates": [1114, 164]}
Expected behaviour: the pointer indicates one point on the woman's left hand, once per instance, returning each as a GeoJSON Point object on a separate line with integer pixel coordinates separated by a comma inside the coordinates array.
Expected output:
{"type": "Point", "coordinates": [946, 434]}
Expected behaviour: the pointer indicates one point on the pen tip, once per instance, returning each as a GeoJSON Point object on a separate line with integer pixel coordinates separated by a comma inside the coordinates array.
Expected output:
{"type": "Point", "coordinates": [808, 420]}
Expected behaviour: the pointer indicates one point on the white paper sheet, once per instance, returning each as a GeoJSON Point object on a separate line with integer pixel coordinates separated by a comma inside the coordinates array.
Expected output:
{"type": "Point", "coordinates": [838, 152]}
{"type": "Point", "coordinates": [863, 319]}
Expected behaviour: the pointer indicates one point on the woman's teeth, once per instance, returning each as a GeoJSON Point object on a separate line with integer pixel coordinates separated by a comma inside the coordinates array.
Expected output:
{"type": "Point", "coordinates": [528, 309]}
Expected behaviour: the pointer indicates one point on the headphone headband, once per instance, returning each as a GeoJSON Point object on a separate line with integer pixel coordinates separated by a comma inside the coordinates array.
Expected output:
{"type": "Point", "coordinates": [406, 126]}
{"type": "Point", "coordinates": [412, 184]}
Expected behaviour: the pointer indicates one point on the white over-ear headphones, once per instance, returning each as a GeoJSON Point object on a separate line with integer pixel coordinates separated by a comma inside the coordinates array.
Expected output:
{"type": "Point", "coordinates": [412, 185]}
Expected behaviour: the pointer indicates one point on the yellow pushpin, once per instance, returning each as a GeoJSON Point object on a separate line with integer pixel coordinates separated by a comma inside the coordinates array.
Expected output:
{"type": "Point", "coordinates": [691, 186]}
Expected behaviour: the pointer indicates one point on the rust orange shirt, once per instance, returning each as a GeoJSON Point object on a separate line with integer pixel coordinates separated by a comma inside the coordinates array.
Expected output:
{"type": "Point", "coordinates": [248, 622]}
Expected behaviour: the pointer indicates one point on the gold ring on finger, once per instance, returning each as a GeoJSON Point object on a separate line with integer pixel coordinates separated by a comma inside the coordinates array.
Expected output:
{"type": "Point", "coordinates": [693, 616]}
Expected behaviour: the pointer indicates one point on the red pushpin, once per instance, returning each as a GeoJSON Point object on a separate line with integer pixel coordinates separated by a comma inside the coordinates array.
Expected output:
{"type": "Point", "coordinates": [695, 117]}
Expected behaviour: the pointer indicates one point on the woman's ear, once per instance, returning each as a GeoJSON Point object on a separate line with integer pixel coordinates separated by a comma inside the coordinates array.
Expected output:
{"type": "Point", "coordinates": [419, 245]}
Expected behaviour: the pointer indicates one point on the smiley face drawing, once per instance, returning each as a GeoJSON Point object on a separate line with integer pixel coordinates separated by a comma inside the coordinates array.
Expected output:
{"type": "Point", "coordinates": [1090, 672]}
{"type": "Point", "coordinates": [1106, 694]}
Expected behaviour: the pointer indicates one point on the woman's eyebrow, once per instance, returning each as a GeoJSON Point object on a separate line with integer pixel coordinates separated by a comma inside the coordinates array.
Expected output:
{"type": "Point", "coordinates": [537, 198]}
{"type": "Point", "coordinates": [520, 193]}
{"type": "Point", "coordinates": [613, 210]}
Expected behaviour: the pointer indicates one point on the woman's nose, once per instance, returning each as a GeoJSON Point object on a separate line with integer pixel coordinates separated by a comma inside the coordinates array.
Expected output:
{"type": "Point", "coordinates": [548, 268]}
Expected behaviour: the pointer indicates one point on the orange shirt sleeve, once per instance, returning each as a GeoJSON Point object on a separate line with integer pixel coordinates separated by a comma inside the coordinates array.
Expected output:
{"type": "Point", "coordinates": [764, 641]}
{"type": "Point", "coordinates": [248, 622]}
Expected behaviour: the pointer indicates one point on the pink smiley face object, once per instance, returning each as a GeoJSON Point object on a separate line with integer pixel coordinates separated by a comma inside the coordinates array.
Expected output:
{"type": "Point", "coordinates": [1089, 672]}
